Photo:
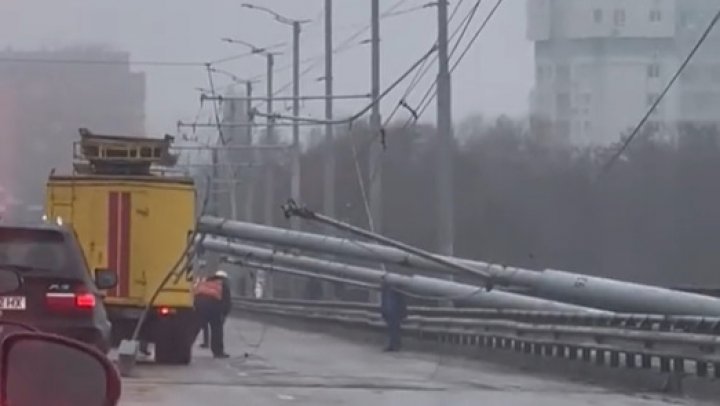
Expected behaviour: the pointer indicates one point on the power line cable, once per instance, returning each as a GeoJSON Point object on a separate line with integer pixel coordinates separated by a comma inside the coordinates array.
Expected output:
{"type": "Point", "coordinates": [101, 62]}
{"type": "Point", "coordinates": [425, 69]}
{"type": "Point", "coordinates": [361, 112]}
{"type": "Point", "coordinates": [613, 159]}
{"type": "Point", "coordinates": [372, 172]}
{"type": "Point", "coordinates": [346, 45]}
{"type": "Point", "coordinates": [231, 58]}
{"type": "Point", "coordinates": [432, 90]}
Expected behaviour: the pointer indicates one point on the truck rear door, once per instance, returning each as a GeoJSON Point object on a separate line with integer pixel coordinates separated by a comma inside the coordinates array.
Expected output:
{"type": "Point", "coordinates": [121, 249]}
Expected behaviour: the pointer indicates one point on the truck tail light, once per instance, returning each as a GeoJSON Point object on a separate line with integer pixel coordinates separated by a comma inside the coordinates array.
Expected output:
{"type": "Point", "coordinates": [165, 311]}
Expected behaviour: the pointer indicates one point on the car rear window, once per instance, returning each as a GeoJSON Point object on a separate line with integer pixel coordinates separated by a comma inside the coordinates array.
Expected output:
{"type": "Point", "coordinates": [41, 250]}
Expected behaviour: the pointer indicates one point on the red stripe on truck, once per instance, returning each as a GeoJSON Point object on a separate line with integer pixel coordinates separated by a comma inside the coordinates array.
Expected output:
{"type": "Point", "coordinates": [124, 265]}
{"type": "Point", "coordinates": [112, 237]}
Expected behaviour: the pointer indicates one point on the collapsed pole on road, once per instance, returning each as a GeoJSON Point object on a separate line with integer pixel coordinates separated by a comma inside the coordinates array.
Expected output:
{"type": "Point", "coordinates": [425, 287]}
{"type": "Point", "coordinates": [583, 290]}
{"type": "Point", "coordinates": [274, 268]}
{"type": "Point", "coordinates": [297, 272]}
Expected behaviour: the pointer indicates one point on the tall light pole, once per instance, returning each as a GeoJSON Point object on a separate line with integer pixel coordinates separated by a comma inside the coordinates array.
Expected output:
{"type": "Point", "coordinates": [445, 189]}
{"type": "Point", "coordinates": [375, 169]}
{"type": "Point", "coordinates": [269, 192]}
{"type": "Point", "coordinates": [296, 28]}
{"type": "Point", "coordinates": [329, 172]}
{"type": "Point", "coordinates": [247, 141]}
{"type": "Point", "coordinates": [270, 131]}
{"type": "Point", "coordinates": [265, 283]}
{"type": "Point", "coordinates": [375, 161]}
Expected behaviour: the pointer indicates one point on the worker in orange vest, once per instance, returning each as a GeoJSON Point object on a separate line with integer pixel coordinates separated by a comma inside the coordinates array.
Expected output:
{"type": "Point", "coordinates": [204, 326]}
{"type": "Point", "coordinates": [213, 304]}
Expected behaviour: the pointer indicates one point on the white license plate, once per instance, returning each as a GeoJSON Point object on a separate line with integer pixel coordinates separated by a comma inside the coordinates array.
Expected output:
{"type": "Point", "coordinates": [12, 303]}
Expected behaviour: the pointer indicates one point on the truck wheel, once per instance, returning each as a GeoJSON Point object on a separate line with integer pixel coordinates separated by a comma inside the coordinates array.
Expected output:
{"type": "Point", "coordinates": [174, 339]}
{"type": "Point", "coordinates": [169, 350]}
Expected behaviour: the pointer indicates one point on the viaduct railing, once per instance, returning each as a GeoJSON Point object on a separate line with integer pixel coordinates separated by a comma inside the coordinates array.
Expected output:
{"type": "Point", "coordinates": [674, 344]}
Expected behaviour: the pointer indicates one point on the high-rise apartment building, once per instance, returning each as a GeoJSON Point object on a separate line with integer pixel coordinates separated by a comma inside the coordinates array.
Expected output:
{"type": "Point", "coordinates": [600, 64]}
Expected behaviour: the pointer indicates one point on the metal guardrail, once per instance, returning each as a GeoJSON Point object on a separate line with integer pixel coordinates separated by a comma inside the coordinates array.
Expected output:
{"type": "Point", "coordinates": [669, 350]}
{"type": "Point", "coordinates": [654, 322]}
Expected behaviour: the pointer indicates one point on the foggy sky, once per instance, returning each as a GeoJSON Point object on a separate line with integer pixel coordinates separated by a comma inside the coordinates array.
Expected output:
{"type": "Point", "coordinates": [494, 78]}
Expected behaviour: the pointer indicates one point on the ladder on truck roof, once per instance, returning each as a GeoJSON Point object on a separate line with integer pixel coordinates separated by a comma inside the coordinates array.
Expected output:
{"type": "Point", "coordinates": [120, 155]}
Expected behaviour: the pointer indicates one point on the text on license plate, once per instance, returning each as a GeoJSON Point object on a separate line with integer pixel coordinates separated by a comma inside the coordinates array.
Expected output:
{"type": "Point", "coordinates": [12, 303]}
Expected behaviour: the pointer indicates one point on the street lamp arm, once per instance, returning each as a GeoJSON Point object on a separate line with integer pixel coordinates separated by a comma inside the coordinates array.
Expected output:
{"type": "Point", "coordinates": [278, 17]}
{"type": "Point", "coordinates": [254, 49]}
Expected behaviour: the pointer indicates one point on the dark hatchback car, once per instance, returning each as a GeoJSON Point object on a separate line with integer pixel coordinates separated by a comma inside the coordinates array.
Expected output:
{"type": "Point", "coordinates": [58, 294]}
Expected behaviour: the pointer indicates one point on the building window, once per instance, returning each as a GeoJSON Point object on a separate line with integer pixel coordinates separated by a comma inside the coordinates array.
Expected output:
{"type": "Point", "coordinates": [587, 126]}
{"type": "Point", "coordinates": [655, 15]}
{"type": "Point", "coordinates": [597, 16]}
{"type": "Point", "coordinates": [619, 17]}
{"type": "Point", "coordinates": [586, 99]}
{"type": "Point", "coordinates": [653, 70]}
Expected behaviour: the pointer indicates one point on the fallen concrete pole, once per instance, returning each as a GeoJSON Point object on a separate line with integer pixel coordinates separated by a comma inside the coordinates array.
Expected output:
{"type": "Point", "coordinates": [428, 288]}
{"type": "Point", "coordinates": [583, 290]}
{"type": "Point", "coordinates": [306, 274]}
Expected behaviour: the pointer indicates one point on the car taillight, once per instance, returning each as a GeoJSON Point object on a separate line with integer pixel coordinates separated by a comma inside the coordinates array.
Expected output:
{"type": "Point", "coordinates": [85, 300]}
{"type": "Point", "coordinates": [68, 302]}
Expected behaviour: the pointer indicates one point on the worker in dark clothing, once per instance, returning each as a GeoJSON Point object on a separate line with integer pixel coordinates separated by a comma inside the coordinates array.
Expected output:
{"type": "Point", "coordinates": [394, 311]}
{"type": "Point", "coordinates": [213, 303]}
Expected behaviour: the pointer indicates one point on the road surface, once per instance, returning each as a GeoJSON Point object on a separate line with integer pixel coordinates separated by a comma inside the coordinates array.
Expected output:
{"type": "Point", "coordinates": [286, 367]}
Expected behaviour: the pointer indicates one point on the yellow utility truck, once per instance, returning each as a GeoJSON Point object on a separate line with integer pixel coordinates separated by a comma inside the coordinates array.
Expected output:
{"type": "Point", "coordinates": [134, 218]}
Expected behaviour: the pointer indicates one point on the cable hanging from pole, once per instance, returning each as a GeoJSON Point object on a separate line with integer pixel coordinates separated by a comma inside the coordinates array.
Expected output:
{"type": "Point", "coordinates": [611, 162]}
{"type": "Point", "coordinates": [346, 45]}
{"type": "Point", "coordinates": [354, 117]}
{"type": "Point", "coordinates": [420, 74]}
{"type": "Point", "coordinates": [432, 90]}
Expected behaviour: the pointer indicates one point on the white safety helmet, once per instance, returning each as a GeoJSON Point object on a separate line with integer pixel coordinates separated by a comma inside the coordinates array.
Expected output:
{"type": "Point", "coordinates": [221, 274]}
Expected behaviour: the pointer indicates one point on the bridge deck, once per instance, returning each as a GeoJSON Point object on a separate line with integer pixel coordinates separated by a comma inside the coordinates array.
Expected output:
{"type": "Point", "coordinates": [297, 368]}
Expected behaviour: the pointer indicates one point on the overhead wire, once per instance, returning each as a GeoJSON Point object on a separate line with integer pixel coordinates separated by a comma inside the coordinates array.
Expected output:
{"type": "Point", "coordinates": [431, 93]}
{"type": "Point", "coordinates": [419, 73]}
{"type": "Point", "coordinates": [372, 172]}
{"type": "Point", "coordinates": [346, 45]}
{"type": "Point", "coordinates": [462, 29]}
{"type": "Point", "coordinates": [350, 120]}
{"type": "Point", "coordinates": [231, 58]}
{"type": "Point", "coordinates": [102, 62]}
{"type": "Point", "coordinates": [425, 69]}
{"type": "Point", "coordinates": [613, 159]}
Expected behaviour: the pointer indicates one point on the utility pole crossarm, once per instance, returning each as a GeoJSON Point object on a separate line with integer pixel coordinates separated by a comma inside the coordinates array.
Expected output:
{"type": "Point", "coordinates": [291, 209]}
